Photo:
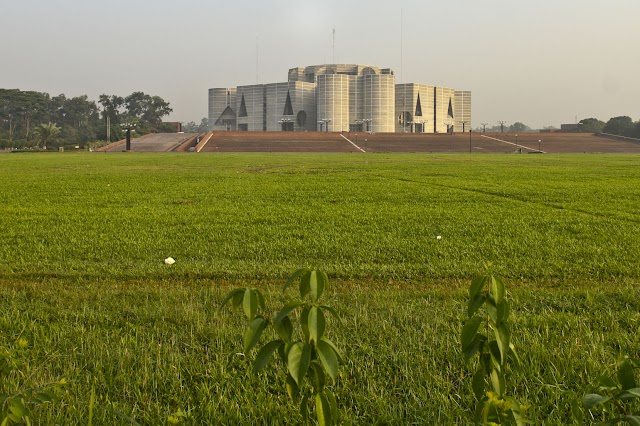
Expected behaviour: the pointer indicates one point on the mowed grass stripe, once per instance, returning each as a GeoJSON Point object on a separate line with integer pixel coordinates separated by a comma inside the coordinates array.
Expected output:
{"type": "Point", "coordinates": [233, 216]}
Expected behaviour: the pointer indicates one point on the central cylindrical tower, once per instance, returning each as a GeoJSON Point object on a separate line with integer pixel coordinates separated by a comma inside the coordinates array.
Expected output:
{"type": "Point", "coordinates": [333, 102]}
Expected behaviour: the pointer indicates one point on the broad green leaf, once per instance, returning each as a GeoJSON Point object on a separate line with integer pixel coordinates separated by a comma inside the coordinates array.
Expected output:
{"type": "Point", "coordinates": [316, 323]}
{"type": "Point", "coordinates": [253, 333]}
{"type": "Point", "coordinates": [469, 331]}
{"type": "Point", "coordinates": [503, 337]}
{"type": "Point", "coordinates": [317, 284]}
{"type": "Point", "coordinates": [304, 322]}
{"type": "Point", "coordinates": [335, 414]}
{"type": "Point", "coordinates": [497, 289]}
{"type": "Point", "coordinates": [592, 399]}
{"type": "Point", "coordinates": [476, 286]}
{"type": "Point", "coordinates": [475, 304]}
{"type": "Point", "coordinates": [577, 412]}
{"type": "Point", "coordinates": [293, 278]}
{"type": "Point", "coordinates": [292, 388]}
{"type": "Point", "coordinates": [44, 397]}
{"type": "Point", "coordinates": [332, 311]}
{"type": "Point", "coordinates": [18, 408]}
{"type": "Point", "coordinates": [286, 310]}
{"type": "Point", "coordinates": [494, 351]}
{"type": "Point", "coordinates": [265, 353]}
{"type": "Point", "coordinates": [473, 348]}
{"type": "Point", "coordinates": [260, 299]}
{"type": "Point", "coordinates": [231, 295]}
{"type": "Point", "coordinates": [335, 349]}
{"type": "Point", "coordinates": [238, 298]}
{"type": "Point", "coordinates": [516, 412]}
{"type": "Point", "coordinates": [284, 328]}
{"type": "Point", "coordinates": [304, 409]}
{"type": "Point", "coordinates": [490, 305]}
{"type": "Point", "coordinates": [250, 304]}
{"type": "Point", "coordinates": [497, 382]}
{"type": "Point", "coordinates": [328, 358]}
{"type": "Point", "coordinates": [517, 364]}
{"type": "Point", "coordinates": [298, 360]}
{"type": "Point", "coordinates": [635, 392]}
{"type": "Point", "coordinates": [323, 410]}
{"type": "Point", "coordinates": [478, 384]}
{"type": "Point", "coordinates": [502, 312]}
{"type": "Point", "coordinates": [626, 375]}
{"type": "Point", "coordinates": [318, 375]}
{"type": "Point", "coordinates": [305, 284]}
{"type": "Point", "coordinates": [632, 420]}
{"type": "Point", "coordinates": [607, 382]}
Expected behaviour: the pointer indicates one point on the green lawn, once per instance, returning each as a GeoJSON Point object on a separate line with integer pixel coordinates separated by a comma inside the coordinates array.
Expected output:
{"type": "Point", "coordinates": [82, 276]}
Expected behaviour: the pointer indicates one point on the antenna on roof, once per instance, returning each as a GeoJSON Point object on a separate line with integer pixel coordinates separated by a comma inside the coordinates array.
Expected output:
{"type": "Point", "coordinates": [334, 44]}
{"type": "Point", "coordinates": [257, 59]}
{"type": "Point", "coordinates": [401, 41]}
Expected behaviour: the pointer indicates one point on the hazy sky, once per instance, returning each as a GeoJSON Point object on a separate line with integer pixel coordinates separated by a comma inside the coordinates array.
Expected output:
{"type": "Point", "coordinates": [541, 62]}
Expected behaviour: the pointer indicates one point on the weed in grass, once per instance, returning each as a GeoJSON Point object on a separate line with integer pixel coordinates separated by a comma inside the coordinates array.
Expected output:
{"type": "Point", "coordinates": [486, 333]}
{"type": "Point", "coordinates": [18, 398]}
{"type": "Point", "coordinates": [308, 355]}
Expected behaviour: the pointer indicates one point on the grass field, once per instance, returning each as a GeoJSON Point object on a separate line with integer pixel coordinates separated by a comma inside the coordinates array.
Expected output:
{"type": "Point", "coordinates": [82, 276]}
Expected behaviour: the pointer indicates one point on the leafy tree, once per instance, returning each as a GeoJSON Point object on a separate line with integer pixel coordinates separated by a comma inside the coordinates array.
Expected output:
{"type": "Point", "coordinates": [621, 126]}
{"type": "Point", "coordinates": [47, 134]}
{"type": "Point", "coordinates": [192, 127]}
{"type": "Point", "coordinates": [591, 125]}
{"type": "Point", "coordinates": [518, 127]}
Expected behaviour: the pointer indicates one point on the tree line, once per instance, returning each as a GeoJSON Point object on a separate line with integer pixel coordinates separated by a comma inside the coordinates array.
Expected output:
{"type": "Point", "coordinates": [621, 126]}
{"type": "Point", "coordinates": [36, 119]}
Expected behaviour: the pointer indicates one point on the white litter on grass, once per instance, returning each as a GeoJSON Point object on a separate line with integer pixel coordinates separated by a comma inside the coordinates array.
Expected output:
{"type": "Point", "coordinates": [439, 237]}
{"type": "Point", "coordinates": [169, 261]}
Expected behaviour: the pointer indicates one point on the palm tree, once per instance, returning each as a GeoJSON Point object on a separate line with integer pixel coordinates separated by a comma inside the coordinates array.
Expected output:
{"type": "Point", "coordinates": [47, 133]}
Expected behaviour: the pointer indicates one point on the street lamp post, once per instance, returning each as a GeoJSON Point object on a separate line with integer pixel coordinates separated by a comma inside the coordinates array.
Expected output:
{"type": "Point", "coordinates": [470, 130]}
{"type": "Point", "coordinates": [539, 141]}
{"type": "Point", "coordinates": [326, 121]}
{"type": "Point", "coordinates": [128, 127]}
{"type": "Point", "coordinates": [484, 127]}
{"type": "Point", "coordinates": [367, 121]}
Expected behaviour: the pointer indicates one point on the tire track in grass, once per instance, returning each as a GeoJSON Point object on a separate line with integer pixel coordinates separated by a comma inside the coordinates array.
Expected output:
{"type": "Point", "coordinates": [512, 198]}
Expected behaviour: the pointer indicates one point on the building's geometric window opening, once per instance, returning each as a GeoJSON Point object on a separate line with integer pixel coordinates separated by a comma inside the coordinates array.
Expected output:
{"type": "Point", "coordinates": [450, 113]}
{"type": "Point", "coordinates": [288, 108]}
{"type": "Point", "coordinates": [243, 108]}
{"type": "Point", "coordinates": [418, 107]}
{"type": "Point", "coordinates": [301, 119]}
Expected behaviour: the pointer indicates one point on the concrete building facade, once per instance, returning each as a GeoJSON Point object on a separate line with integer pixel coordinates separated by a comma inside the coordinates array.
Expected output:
{"type": "Point", "coordinates": [339, 98]}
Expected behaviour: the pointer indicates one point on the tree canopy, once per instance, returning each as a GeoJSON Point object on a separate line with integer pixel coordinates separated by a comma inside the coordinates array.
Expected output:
{"type": "Point", "coordinates": [79, 120]}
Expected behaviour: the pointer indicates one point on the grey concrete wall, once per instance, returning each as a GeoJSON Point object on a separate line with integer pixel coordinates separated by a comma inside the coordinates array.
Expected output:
{"type": "Point", "coordinates": [407, 101]}
{"type": "Point", "coordinates": [442, 95]}
{"type": "Point", "coordinates": [219, 99]}
{"type": "Point", "coordinates": [348, 95]}
{"type": "Point", "coordinates": [379, 102]}
{"type": "Point", "coordinates": [333, 101]}
{"type": "Point", "coordinates": [463, 111]}
{"type": "Point", "coordinates": [253, 99]}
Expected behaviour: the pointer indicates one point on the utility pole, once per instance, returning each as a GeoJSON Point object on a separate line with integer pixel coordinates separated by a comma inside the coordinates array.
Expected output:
{"type": "Point", "coordinates": [501, 126]}
{"type": "Point", "coordinates": [334, 45]}
{"type": "Point", "coordinates": [484, 127]}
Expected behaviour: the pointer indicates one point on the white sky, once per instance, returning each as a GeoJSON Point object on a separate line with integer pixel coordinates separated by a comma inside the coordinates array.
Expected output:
{"type": "Point", "coordinates": [540, 62]}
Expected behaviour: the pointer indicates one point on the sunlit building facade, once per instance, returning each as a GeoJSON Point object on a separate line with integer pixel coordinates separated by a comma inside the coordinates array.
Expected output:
{"type": "Point", "coordinates": [338, 98]}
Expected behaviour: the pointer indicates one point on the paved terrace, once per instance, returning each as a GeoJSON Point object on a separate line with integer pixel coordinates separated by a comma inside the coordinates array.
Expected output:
{"type": "Point", "coordinates": [157, 142]}
{"type": "Point", "coordinates": [277, 142]}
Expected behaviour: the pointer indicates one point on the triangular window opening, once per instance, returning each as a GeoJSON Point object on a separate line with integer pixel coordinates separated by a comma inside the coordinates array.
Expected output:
{"type": "Point", "coordinates": [288, 108]}
{"type": "Point", "coordinates": [418, 107]}
{"type": "Point", "coordinates": [243, 108]}
{"type": "Point", "coordinates": [450, 113]}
